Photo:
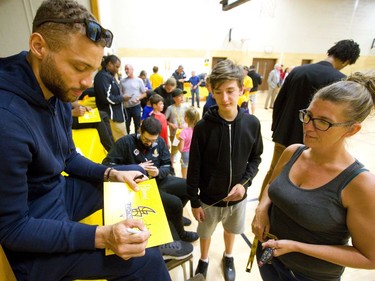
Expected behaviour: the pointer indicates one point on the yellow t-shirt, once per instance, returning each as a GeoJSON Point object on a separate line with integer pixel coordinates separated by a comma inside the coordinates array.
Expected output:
{"type": "Point", "coordinates": [156, 80]}
{"type": "Point", "coordinates": [248, 84]}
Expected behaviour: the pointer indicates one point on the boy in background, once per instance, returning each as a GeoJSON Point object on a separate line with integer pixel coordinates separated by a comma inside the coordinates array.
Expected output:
{"type": "Point", "coordinates": [147, 109]}
{"type": "Point", "coordinates": [157, 103]}
{"type": "Point", "coordinates": [175, 114]}
{"type": "Point", "coordinates": [224, 158]}
{"type": "Point", "coordinates": [243, 100]}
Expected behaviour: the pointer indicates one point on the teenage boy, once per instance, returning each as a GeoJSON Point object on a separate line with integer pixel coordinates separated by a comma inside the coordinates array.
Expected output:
{"type": "Point", "coordinates": [224, 158]}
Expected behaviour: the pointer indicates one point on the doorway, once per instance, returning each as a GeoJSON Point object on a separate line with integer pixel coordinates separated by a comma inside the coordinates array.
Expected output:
{"type": "Point", "coordinates": [306, 61]}
{"type": "Point", "coordinates": [215, 60]}
{"type": "Point", "coordinates": [263, 67]}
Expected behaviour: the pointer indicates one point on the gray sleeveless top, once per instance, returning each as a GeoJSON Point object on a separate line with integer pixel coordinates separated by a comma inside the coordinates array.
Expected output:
{"type": "Point", "coordinates": [314, 216]}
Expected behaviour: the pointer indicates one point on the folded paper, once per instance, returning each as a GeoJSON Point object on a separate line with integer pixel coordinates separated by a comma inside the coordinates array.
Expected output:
{"type": "Point", "coordinates": [121, 202]}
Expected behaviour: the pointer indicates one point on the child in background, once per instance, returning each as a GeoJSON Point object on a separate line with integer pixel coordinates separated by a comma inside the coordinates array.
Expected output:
{"type": "Point", "coordinates": [157, 103]}
{"type": "Point", "coordinates": [243, 100]}
{"type": "Point", "coordinates": [175, 115]}
{"type": "Point", "coordinates": [191, 118]}
{"type": "Point", "coordinates": [147, 109]}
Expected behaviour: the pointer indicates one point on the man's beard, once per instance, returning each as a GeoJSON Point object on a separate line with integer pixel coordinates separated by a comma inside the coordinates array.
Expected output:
{"type": "Point", "coordinates": [145, 147]}
{"type": "Point", "coordinates": [53, 81]}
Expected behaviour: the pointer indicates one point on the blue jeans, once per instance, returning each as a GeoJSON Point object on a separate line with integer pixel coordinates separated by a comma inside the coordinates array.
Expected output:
{"type": "Point", "coordinates": [134, 112]}
{"type": "Point", "coordinates": [195, 92]}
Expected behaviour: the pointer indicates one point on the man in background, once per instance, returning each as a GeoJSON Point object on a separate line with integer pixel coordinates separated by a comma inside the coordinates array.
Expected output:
{"type": "Point", "coordinates": [166, 91]}
{"type": "Point", "coordinates": [297, 91]}
{"type": "Point", "coordinates": [134, 90]}
{"type": "Point", "coordinates": [155, 78]}
{"type": "Point", "coordinates": [180, 77]}
{"type": "Point", "coordinates": [257, 80]}
{"type": "Point", "coordinates": [274, 83]}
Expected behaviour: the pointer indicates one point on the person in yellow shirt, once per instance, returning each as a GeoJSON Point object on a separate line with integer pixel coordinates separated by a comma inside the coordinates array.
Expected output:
{"type": "Point", "coordinates": [155, 78]}
{"type": "Point", "coordinates": [243, 100]}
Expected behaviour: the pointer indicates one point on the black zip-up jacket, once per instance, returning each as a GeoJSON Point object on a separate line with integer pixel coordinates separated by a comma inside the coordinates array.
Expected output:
{"type": "Point", "coordinates": [223, 154]}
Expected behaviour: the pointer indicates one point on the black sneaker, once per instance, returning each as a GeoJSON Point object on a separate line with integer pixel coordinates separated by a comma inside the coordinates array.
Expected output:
{"type": "Point", "coordinates": [177, 250]}
{"type": "Point", "coordinates": [186, 221]}
{"type": "Point", "coordinates": [189, 236]}
{"type": "Point", "coordinates": [202, 268]}
{"type": "Point", "coordinates": [228, 268]}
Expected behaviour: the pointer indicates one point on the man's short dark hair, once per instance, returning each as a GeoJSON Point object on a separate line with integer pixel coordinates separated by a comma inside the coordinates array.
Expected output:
{"type": "Point", "coordinates": [345, 50]}
{"type": "Point", "coordinates": [151, 125]}
{"type": "Point", "coordinates": [56, 34]}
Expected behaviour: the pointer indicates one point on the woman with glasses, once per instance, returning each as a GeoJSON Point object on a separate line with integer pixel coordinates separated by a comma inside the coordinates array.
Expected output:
{"type": "Point", "coordinates": [319, 195]}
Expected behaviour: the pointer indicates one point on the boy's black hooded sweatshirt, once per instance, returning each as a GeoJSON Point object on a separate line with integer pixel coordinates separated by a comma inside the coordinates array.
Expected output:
{"type": "Point", "coordinates": [223, 154]}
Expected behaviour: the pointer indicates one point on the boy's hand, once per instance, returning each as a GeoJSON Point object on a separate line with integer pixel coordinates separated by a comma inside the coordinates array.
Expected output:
{"type": "Point", "coordinates": [198, 214]}
{"type": "Point", "coordinates": [236, 194]}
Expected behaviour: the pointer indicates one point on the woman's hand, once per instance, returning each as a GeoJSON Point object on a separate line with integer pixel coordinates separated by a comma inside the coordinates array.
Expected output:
{"type": "Point", "coordinates": [261, 224]}
{"type": "Point", "coordinates": [280, 247]}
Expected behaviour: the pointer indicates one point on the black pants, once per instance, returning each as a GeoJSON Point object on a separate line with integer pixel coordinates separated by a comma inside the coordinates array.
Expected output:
{"type": "Point", "coordinates": [173, 193]}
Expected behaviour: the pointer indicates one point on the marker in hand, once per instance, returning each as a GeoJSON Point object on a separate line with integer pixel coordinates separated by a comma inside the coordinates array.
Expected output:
{"type": "Point", "coordinates": [138, 177]}
{"type": "Point", "coordinates": [133, 230]}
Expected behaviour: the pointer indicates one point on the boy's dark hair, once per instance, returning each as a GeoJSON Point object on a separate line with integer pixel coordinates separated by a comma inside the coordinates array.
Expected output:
{"type": "Point", "coordinates": [345, 50]}
{"type": "Point", "coordinates": [151, 125]}
{"type": "Point", "coordinates": [226, 70]}
{"type": "Point", "coordinates": [154, 99]}
{"type": "Point", "coordinates": [155, 69]}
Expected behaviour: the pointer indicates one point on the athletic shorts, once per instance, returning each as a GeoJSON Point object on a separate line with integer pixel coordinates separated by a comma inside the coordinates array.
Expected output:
{"type": "Point", "coordinates": [232, 217]}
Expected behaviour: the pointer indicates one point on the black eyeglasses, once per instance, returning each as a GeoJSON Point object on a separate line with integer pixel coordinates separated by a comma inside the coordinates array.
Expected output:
{"type": "Point", "coordinates": [318, 123]}
{"type": "Point", "coordinates": [94, 31]}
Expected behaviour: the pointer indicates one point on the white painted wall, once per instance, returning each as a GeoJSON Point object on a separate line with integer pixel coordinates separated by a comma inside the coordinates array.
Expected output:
{"type": "Point", "coordinates": [302, 26]}
{"type": "Point", "coordinates": [298, 26]}
{"type": "Point", "coordinates": [16, 17]}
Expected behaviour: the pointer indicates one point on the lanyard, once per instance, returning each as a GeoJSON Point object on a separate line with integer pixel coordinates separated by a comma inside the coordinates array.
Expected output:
{"type": "Point", "coordinates": [223, 198]}
{"type": "Point", "coordinates": [254, 247]}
